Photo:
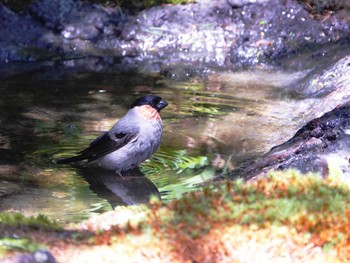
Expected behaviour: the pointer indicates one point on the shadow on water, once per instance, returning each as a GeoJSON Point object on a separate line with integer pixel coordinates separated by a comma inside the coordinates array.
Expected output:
{"type": "Point", "coordinates": [132, 188]}
{"type": "Point", "coordinates": [211, 125]}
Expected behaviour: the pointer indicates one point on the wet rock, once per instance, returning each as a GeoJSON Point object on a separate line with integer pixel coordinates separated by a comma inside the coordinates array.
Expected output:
{"type": "Point", "coordinates": [74, 19]}
{"type": "Point", "coordinates": [208, 34]}
{"type": "Point", "coordinates": [8, 188]}
{"type": "Point", "coordinates": [39, 256]}
{"type": "Point", "coordinates": [321, 143]}
{"type": "Point", "coordinates": [330, 85]}
{"type": "Point", "coordinates": [327, 80]}
{"type": "Point", "coordinates": [22, 38]}
{"type": "Point", "coordinates": [240, 3]}
{"type": "Point", "coordinates": [53, 13]}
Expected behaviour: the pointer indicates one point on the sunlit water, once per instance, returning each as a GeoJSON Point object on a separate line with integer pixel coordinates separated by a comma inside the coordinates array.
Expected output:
{"type": "Point", "coordinates": [211, 126]}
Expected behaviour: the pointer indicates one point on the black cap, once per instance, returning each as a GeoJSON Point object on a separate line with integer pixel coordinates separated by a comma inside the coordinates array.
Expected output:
{"type": "Point", "coordinates": [154, 101]}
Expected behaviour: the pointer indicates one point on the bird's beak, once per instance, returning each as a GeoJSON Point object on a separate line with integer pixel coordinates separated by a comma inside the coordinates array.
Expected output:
{"type": "Point", "coordinates": [161, 105]}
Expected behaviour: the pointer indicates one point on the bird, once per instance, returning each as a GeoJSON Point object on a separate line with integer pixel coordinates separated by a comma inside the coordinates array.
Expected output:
{"type": "Point", "coordinates": [132, 139]}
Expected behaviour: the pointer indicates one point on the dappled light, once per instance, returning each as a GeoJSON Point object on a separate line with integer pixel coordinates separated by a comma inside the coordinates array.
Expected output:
{"type": "Point", "coordinates": [229, 131]}
{"type": "Point", "coordinates": [198, 129]}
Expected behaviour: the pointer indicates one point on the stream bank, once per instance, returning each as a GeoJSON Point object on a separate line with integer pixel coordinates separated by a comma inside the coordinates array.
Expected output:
{"type": "Point", "coordinates": [178, 40]}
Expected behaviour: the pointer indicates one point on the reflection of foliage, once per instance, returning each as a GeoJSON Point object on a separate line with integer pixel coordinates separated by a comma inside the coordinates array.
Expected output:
{"type": "Point", "coordinates": [203, 109]}
{"type": "Point", "coordinates": [176, 190]}
{"type": "Point", "coordinates": [177, 161]}
{"type": "Point", "coordinates": [207, 109]}
{"type": "Point", "coordinates": [180, 171]}
{"type": "Point", "coordinates": [197, 101]}
{"type": "Point", "coordinates": [182, 161]}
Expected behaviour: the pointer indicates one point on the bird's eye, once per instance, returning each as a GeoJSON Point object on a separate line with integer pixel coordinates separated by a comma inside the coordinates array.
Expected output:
{"type": "Point", "coordinates": [151, 103]}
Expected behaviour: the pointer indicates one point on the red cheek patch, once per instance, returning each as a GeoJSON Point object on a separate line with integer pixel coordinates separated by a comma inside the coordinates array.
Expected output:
{"type": "Point", "coordinates": [148, 113]}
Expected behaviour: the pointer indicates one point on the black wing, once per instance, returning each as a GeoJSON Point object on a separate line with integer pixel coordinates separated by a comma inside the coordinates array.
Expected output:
{"type": "Point", "coordinates": [101, 146]}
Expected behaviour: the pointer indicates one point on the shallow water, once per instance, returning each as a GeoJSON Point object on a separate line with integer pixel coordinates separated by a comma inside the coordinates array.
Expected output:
{"type": "Point", "coordinates": [211, 126]}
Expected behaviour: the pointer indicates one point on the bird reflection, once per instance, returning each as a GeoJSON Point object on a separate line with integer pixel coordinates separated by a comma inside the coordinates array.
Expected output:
{"type": "Point", "coordinates": [130, 188]}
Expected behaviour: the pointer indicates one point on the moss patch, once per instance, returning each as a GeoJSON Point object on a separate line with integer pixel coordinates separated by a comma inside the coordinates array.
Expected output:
{"type": "Point", "coordinates": [286, 215]}
{"type": "Point", "coordinates": [307, 204]}
{"type": "Point", "coordinates": [18, 220]}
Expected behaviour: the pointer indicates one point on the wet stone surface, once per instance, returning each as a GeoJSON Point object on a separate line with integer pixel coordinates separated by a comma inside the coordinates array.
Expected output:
{"type": "Point", "coordinates": [196, 37]}
{"type": "Point", "coordinates": [8, 188]}
{"type": "Point", "coordinates": [321, 145]}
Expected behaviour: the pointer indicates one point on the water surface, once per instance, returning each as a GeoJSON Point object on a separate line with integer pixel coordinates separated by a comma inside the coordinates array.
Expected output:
{"type": "Point", "coordinates": [212, 124]}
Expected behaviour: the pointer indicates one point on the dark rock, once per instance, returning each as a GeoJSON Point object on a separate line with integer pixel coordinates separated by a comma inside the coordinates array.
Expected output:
{"type": "Point", "coordinates": [53, 13]}
{"type": "Point", "coordinates": [240, 3]}
{"type": "Point", "coordinates": [313, 148]}
{"type": "Point", "coordinates": [226, 34]}
{"type": "Point", "coordinates": [22, 38]}
{"type": "Point", "coordinates": [39, 256]}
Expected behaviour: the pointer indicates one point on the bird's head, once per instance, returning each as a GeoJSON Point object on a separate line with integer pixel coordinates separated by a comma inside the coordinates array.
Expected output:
{"type": "Point", "coordinates": [155, 102]}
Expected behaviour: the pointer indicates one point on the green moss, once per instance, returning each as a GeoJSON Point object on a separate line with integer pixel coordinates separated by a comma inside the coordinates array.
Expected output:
{"type": "Point", "coordinates": [307, 204]}
{"type": "Point", "coordinates": [284, 198]}
{"type": "Point", "coordinates": [14, 229]}
{"type": "Point", "coordinates": [22, 244]}
{"type": "Point", "coordinates": [35, 222]}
